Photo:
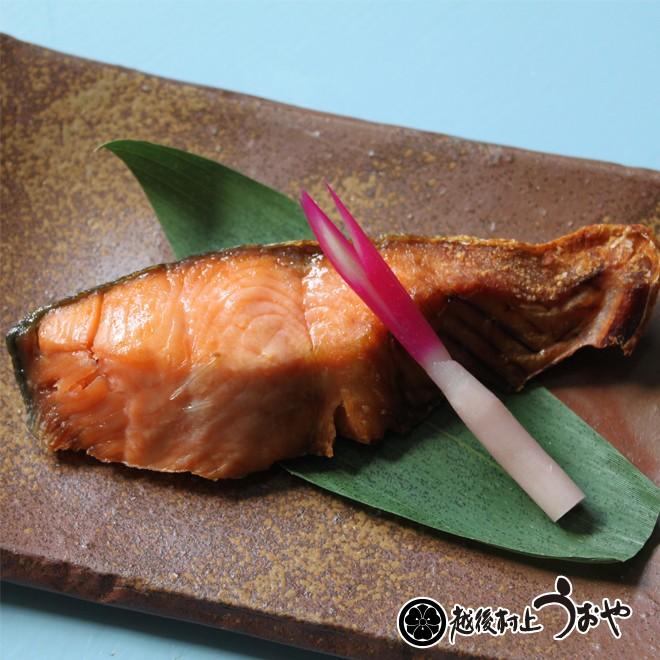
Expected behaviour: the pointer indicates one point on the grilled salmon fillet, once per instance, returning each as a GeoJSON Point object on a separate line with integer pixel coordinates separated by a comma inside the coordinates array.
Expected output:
{"type": "Point", "coordinates": [224, 363]}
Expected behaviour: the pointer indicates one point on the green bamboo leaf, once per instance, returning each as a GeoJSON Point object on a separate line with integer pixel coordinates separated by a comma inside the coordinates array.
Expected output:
{"type": "Point", "coordinates": [440, 476]}
{"type": "Point", "coordinates": [203, 205]}
{"type": "Point", "coordinates": [437, 475]}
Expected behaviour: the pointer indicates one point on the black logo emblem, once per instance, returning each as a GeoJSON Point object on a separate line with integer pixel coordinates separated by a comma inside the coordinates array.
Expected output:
{"type": "Point", "coordinates": [422, 622]}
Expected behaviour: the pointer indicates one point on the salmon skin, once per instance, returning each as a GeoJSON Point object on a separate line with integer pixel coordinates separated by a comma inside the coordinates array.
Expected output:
{"type": "Point", "coordinates": [224, 363]}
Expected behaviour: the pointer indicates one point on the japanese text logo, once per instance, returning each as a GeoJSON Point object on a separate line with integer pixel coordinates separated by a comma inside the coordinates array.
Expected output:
{"type": "Point", "coordinates": [423, 622]}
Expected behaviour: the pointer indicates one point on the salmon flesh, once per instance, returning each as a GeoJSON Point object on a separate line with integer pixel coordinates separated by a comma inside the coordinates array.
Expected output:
{"type": "Point", "coordinates": [224, 363]}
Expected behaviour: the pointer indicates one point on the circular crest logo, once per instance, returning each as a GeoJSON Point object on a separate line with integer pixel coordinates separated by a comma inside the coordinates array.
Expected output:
{"type": "Point", "coordinates": [421, 622]}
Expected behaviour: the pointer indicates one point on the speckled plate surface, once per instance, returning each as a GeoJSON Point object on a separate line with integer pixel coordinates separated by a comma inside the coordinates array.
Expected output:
{"type": "Point", "coordinates": [270, 555]}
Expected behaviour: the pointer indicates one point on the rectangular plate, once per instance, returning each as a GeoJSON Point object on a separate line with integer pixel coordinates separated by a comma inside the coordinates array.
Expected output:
{"type": "Point", "coordinates": [270, 555]}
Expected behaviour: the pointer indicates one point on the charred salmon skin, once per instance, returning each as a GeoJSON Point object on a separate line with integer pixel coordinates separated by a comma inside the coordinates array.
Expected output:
{"type": "Point", "coordinates": [224, 363]}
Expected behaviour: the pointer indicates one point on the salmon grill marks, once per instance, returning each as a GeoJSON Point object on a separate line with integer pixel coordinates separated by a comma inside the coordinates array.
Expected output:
{"type": "Point", "coordinates": [222, 364]}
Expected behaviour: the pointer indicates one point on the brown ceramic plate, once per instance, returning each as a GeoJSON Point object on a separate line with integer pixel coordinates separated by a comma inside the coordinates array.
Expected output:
{"type": "Point", "coordinates": [270, 555]}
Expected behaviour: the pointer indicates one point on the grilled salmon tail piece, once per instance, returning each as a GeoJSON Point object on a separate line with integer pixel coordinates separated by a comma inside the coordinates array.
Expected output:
{"type": "Point", "coordinates": [225, 363]}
